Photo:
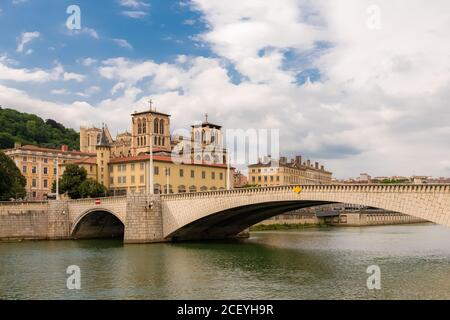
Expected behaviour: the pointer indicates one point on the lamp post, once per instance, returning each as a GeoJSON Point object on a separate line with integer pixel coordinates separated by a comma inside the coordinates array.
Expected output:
{"type": "Point", "coordinates": [150, 171]}
{"type": "Point", "coordinates": [57, 179]}
{"type": "Point", "coordinates": [228, 171]}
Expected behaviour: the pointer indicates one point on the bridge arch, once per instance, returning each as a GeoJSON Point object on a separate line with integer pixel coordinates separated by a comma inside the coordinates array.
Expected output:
{"type": "Point", "coordinates": [98, 223]}
{"type": "Point", "coordinates": [219, 214]}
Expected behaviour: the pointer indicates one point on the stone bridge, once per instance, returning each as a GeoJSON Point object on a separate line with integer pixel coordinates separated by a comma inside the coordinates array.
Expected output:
{"type": "Point", "coordinates": [206, 215]}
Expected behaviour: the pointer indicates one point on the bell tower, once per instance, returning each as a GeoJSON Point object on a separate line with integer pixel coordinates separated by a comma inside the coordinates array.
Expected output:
{"type": "Point", "coordinates": [148, 125]}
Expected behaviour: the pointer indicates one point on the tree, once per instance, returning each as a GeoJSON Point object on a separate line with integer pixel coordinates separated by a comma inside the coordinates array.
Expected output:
{"type": "Point", "coordinates": [92, 189]}
{"type": "Point", "coordinates": [12, 182]}
{"type": "Point", "coordinates": [75, 183]}
{"type": "Point", "coordinates": [71, 180]}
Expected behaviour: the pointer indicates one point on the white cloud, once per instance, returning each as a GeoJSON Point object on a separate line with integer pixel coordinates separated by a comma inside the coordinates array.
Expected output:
{"type": "Point", "coordinates": [135, 14]}
{"type": "Point", "coordinates": [123, 43]}
{"type": "Point", "coordinates": [85, 30]}
{"type": "Point", "coordinates": [87, 62]}
{"type": "Point", "coordinates": [15, 2]}
{"type": "Point", "coordinates": [381, 105]}
{"type": "Point", "coordinates": [25, 38]}
{"type": "Point", "coordinates": [68, 76]}
{"type": "Point", "coordinates": [189, 22]}
{"type": "Point", "coordinates": [134, 4]}
{"type": "Point", "coordinates": [139, 9]}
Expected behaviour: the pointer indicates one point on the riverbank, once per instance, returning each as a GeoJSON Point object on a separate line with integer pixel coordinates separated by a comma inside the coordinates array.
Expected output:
{"type": "Point", "coordinates": [287, 226]}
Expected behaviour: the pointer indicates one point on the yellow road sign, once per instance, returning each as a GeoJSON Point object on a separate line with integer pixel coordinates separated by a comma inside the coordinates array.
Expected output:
{"type": "Point", "coordinates": [298, 189]}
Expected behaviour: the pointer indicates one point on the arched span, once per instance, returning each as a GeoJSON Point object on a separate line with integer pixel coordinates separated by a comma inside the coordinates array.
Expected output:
{"type": "Point", "coordinates": [98, 223]}
{"type": "Point", "coordinates": [228, 223]}
{"type": "Point", "coordinates": [213, 210]}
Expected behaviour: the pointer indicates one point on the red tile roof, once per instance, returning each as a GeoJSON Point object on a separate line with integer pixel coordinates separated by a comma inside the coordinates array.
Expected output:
{"type": "Point", "coordinates": [41, 149]}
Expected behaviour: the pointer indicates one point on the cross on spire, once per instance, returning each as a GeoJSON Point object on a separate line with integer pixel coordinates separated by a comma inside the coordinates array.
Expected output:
{"type": "Point", "coordinates": [150, 102]}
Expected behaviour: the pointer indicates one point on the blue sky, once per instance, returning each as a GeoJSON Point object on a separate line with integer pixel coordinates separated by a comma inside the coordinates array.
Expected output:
{"type": "Point", "coordinates": [355, 84]}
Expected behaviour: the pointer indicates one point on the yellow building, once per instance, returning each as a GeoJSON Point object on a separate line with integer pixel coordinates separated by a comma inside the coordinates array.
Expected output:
{"type": "Point", "coordinates": [123, 165]}
{"type": "Point", "coordinates": [39, 166]}
{"type": "Point", "coordinates": [282, 172]}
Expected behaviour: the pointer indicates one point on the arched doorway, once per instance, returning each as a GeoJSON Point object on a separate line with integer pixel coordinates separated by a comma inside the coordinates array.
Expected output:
{"type": "Point", "coordinates": [99, 224]}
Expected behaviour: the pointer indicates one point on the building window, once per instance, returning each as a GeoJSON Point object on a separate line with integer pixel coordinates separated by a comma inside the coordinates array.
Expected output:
{"type": "Point", "coordinates": [45, 183]}
{"type": "Point", "coordinates": [265, 178]}
{"type": "Point", "coordinates": [168, 172]}
{"type": "Point", "coordinates": [132, 167]}
{"type": "Point", "coordinates": [119, 179]}
{"type": "Point", "coordinates": [45, 170]}
{"type": "Point", "coordinates": [119, 168]}
{"type": "Point", "coordinates": [142, 166]}
{"type": "Point", "coordinates": [34, 159]}
{"type": "Point", "coordinates": [24, 169]}
{"type": "Point", "coordinates": [253, 179]}
{"type": "Point", "coordinates": [124, 167]}
{"type": "Point", "coordinates": [278, 178]}
{"type": "Point", "coordinates": [259, 178]}
{"type": "Point", "coordinates": [221, 176]}
{"type": "Point", "coordinates": [161, 126]}
{"type": "Point", "coordinates": [33, 183]}
{"type": "Point", "coordinates": [181, 173]}
{"type": "Point", "coordinates": [203, 175]}
{"type": "Point", "coordinates": [90, 168]}
{"type": "Point", "coordinates": [33, 170]}
{"type": "Point", "coordinates": [45, 160]}
{"type": "Point", "coordinates": [213, 175]}
{"type": "Point", "coordinates": [54, 171]}
{"type": "Point", "coordinates": [156, 171]}
{"type": "Point", "coordinates": [24, 159]}
{"type": "Point", "coordinates": [124, 179]}
{"type": "Point", "coordinates": [156, 126]}
{"type": "Point", "coordinates": [271, 178]}
{"type": "Point", "coordinates": [192, 174]}
{"type": "Point", "coordinates": [111, 180]}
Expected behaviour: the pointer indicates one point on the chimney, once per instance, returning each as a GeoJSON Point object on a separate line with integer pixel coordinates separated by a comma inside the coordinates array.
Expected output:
{"type": "Point", "coordinates": [308, 163]}
{"type": "Point", "coordinates": [322, 168]}
{"type": "Point", "coordinates": [64, 148]}
{"type": "Point", "coordinates": [298, 160]}
{"type": "Point", "coordinates": [316, 165]}
{"type": "Point", "coordinates": [17, 145]}
{"type": "Point", "coordinates": [283, 160]}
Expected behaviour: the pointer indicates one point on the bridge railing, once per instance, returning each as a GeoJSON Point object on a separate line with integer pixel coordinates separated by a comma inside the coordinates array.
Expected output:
{"type": "Point", "coordinates": [102, 200]}
{"type": "Point", "coordinates": [21, 203]}
{"type": "Point", "coordinates": [313, 188]}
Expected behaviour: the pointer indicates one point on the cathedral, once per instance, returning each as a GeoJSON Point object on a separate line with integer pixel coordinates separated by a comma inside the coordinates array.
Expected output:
{"type": "Point", "coordinates": [181, 164]}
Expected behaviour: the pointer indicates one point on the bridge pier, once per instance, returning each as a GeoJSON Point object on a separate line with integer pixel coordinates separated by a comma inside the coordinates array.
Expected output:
{"type": "Point", "coordinates": [144, 222]}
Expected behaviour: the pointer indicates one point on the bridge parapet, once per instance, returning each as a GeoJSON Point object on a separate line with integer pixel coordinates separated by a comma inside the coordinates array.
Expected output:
{"type": "Point", "coordinates": [342, 188]}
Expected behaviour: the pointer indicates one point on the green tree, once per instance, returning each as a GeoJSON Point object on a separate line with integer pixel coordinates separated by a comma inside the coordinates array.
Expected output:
{"type": "Point", "coordinates": [12, 182]}
{"type": "Point", "coordinates": [30, 129]}
{"type": "Point", "coordinates": [92, 189]}
{"type": "Point", "coordinates": [71, 180]}
{"type": "Point", "coordinates": [75, 183]}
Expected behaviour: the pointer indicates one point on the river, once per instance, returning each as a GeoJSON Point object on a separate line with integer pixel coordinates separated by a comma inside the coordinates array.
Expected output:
{"type": "Point", "coordinates": [322, 263]}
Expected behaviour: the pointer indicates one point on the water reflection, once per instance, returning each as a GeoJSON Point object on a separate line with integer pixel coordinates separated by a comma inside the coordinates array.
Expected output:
{"type": "Point", "coordinates": [307, 264]}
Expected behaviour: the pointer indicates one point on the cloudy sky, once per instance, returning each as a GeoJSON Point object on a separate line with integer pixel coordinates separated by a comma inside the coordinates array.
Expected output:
{"type": "Point", "coordinates": [362, 86]}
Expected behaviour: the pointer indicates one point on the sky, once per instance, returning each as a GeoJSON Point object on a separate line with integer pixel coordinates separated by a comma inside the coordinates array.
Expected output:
{"type": "Point", "coordinates": [361, 86]}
